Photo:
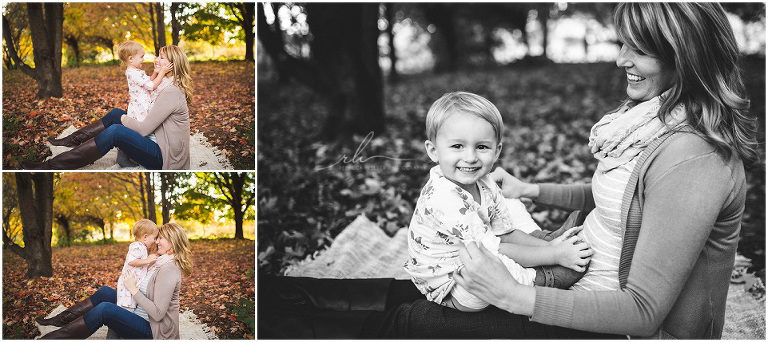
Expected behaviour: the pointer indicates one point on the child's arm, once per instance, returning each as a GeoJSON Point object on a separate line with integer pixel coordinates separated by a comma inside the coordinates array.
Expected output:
{"type": "Point", "coordinates": [571, 253]}
{"type": "Point", "coordinates": [519, 238]}
{"type": "Point", "coordinates": [141, 262]}
{"type": "Point", "coordinates": [158, 74]}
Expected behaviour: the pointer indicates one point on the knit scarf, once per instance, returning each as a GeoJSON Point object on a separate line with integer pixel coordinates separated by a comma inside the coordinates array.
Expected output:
{"type": "Point", "coordinates": [165, 83]}
{"type": "Point", "coordinates": [160, 262]}
{"type": "Point", "coordinates": [620, 136]}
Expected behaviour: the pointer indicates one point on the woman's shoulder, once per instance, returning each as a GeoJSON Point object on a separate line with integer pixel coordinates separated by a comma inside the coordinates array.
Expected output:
{"type": "Point", "coordinates": [690, 149]}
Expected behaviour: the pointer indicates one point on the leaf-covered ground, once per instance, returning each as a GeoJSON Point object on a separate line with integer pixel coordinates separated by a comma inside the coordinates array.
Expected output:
{"type": "Point", "coordinates": [548, 111]}
{"type": "Point", "coordinates": [222, 108]}
{"type": "Point", "coordinates": [220, 290]}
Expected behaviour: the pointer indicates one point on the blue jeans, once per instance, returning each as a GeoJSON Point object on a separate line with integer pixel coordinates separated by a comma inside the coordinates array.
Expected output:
{"type": "Point", "coordinates": [127, 324]}
{"type": "Point", "coordinates": [139, 148]}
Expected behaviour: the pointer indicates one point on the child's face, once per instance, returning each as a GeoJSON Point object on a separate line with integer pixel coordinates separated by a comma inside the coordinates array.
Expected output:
{"type": "Point", "coordinates": [136, 60]}
{"type": "Point", "coordinates": [149, 239]}
{"type": "Point", "coordinates": [465, 147]}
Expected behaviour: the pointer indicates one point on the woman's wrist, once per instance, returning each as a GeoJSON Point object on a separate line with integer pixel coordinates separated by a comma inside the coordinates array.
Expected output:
{"type": "Point", "coordinates": [519, 300]}
{"type": "Point", "coordinates": [532, 190]}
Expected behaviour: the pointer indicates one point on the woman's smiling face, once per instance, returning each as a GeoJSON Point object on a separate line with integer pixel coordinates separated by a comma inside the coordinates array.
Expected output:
{"type": "Point", "coordinates": [647, 76]}
{"type": "Point", "coordinates": [163, 246]}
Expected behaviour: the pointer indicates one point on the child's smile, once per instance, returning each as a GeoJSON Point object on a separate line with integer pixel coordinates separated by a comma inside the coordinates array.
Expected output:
{"type": "Point", "coordinates": [465, 148]}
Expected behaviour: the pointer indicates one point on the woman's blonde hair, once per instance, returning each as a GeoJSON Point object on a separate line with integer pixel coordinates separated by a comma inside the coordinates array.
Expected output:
{"type": "Point", "coordinates": [179, 245]}
{"type": "Point", "coordinates": [181, 69]}
{"type": "Point", "coordinates": [696, 40]}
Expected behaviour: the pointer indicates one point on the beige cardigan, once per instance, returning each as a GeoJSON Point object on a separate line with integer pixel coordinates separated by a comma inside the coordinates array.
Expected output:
{"type": "Point", "coordinates": [169, 120]}
{"type": "Point", "coordinates": [162, 302]}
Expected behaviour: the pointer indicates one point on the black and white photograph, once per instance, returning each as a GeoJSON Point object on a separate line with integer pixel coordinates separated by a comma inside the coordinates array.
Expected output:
{"type": "Point", "coordinates": [510, 170]}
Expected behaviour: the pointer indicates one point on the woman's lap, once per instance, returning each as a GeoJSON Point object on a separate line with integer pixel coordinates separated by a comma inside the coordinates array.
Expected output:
{"type": "Point", "coordinates": [139, 148]}
{"type": "Point", "coordinates": [405, 315]}
{"type": "Point", "coordinates": [122, 321]}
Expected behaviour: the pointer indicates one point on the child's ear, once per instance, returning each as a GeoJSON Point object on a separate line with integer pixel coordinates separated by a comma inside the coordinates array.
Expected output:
{"type": "Point", "coordinates": [431, 150]}
{"type": "Point", "coordinates": [498, 153]}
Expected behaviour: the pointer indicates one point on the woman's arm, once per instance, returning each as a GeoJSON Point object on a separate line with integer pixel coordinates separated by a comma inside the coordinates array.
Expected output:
{"type": "Point", "coordinates": [680, 209]}
{"type": "Point", "coordinates": [167, 281]}
{"type": "Point", "coordinates": [569, 197]}
{"type": "Point", "coordinates": [168, 102]}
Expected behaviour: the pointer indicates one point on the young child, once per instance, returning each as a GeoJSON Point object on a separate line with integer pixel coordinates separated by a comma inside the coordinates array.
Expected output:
{"type": "Point", "coordinates": [137, 260]}
{"type": "Point", "coordinates": [140, 86]}
{"type": "Point", "coordinates": [460, 203]}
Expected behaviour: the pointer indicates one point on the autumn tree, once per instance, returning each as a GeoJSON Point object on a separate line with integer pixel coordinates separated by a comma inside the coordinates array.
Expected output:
{"type": "Point", "coordinates": [45, 24]}
{"type": "Point", "coordinates": [16, 15]}
{"type": "Point", "coordinates": [35, 200]}
{"type": "Point", "coordinates": [217, 191]}
{"type": "Point", "coordinates": [344, 66]}
{"type": "Point", "coordinates": [11, 223]}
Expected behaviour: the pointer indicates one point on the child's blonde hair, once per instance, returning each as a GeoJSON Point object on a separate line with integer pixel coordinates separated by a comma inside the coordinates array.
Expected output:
{"type": "Point", "coordinates": [465, 103]}
{"type": "Point", "coordinates": [181, 69]}
{"type": "Point", "coordinates": [143, 227]}
{"type": "Point", "coordinates": [127, 49]}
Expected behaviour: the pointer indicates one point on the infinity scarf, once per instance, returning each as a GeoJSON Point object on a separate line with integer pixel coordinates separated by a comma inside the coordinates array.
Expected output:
{"type": "Point", "coordinates": [160, 262]}
{"type": "Point", "coordinates": [618, 137]}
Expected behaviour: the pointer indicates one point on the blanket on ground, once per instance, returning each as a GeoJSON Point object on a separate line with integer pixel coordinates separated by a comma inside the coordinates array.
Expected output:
{"type": "Point", "coordinates": [363, 250]}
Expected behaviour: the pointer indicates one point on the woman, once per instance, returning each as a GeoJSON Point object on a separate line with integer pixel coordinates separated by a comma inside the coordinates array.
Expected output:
{"type": "Point", "coordinates": [157, 314]}
{"type": "Point", "coordinates": [668, 197]}
{"type": "Point", "coordinates": [168, 119]}
{"type": "Point", "coordinates": [681, 207]}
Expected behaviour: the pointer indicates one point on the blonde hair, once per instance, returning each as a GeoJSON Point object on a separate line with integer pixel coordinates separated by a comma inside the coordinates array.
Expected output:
{"type": "Point", "coordinates": [181, 69]}
{"type": "Point", "coordinates": [143, 227]}
{"type": "Point", "coordinates": [465, 103]}
{"type": "Point", "coordinates": [696, 40]}
{"type": "Point", "coordinates": [128, 49]}
{"type": "Point", "coordinates": [179, 245]}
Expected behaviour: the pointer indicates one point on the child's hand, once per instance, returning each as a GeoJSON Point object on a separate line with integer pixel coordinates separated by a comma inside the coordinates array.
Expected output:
{"type": "Point", "coordinates": [568, 233]}
{"type": "Point", "coordinates": [573, 253]}
{"type": "Point", "coordinates": [166, 68]}
{"type": "Point", "coordinates": [152, 257]}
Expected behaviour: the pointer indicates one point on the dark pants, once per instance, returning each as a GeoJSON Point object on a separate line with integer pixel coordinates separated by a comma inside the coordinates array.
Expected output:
{"type": "Point", "coordinates": [383, 308]}
{"type": "Point", "coordinates": [139, 148]}
{"type": "Point", "coordinates": [106, 312]}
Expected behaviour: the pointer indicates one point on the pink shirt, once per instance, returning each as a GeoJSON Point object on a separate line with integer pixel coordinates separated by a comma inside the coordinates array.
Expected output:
{"type": "Point", "coordinates": [136, 251]}
{"type": "Point", "coordinates": [140, 88]}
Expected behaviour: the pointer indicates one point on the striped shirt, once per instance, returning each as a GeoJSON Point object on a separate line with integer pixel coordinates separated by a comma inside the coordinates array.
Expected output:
{"type": "Point", "coordinates": [143, 288]}
{"type": "Point", "coordinates": [602, 229]}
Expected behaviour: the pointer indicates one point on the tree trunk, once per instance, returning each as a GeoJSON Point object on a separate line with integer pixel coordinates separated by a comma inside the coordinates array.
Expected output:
{"type": "Point", "coordinates": [442, 15]}
{"type": "Point", "coordinates": [394, 77]}
{"type": "Point", "coordinates": [345, 47]}
{"type": "Point", "coordinates": [45, 23]}
{"type": "Point", "coordinates": [249, 10]}
{"type": "Point", "coordinates": [167, 185]}
{"type": "Point", "coordinates": [75, 46]}
{"type": "Point", "coordinates": [35, 191]}
{"type": "Point", "coordinates": [543, 16]}
{"type": "Point", "coordinates": [150, 197]}
{"type": "Point", "coordinates": [64, 223]}
{"type": "Point", "coordinates": [175, 25]}
{"type": "Point", "coordinates": [153, 22]}
{"type": "Point", "coordinates": [144, 212]}
{"type": "Point", "coordinates": [160, 16]}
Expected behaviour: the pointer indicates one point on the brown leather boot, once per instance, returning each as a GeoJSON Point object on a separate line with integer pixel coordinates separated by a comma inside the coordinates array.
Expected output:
{"type": "Point", "coordinates": [71, 160]}
{"type": "Point", "coordinates": [77, 330]}
{"type": "Point", "coordinates": [80, 136]}
{"type": "Point", "coordinates": [68, 315]}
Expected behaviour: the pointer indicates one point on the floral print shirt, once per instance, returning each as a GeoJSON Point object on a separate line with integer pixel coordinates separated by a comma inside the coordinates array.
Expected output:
{"type": "Point", "coordinates": [445, 216]}
{"type": "Point", "coordinates": [136, 251]}
{"type": "Point", "coordinates": [140, 88]}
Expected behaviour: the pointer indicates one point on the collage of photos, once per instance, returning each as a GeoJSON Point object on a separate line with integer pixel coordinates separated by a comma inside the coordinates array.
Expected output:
{"type": "Point", "coordinates": [129, 171]}
{"type": "Point", "coordinates": [511, 170]}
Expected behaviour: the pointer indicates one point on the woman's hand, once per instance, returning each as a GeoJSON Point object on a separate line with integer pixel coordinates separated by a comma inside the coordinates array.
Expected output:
{"type": "Point", "coordinates": [486, 277]}
{"type": "Point", "coordinates": [511, 187]}
{"type": "Point", "coordinates": [130, 282]}
{"type": "Point", "coordinates": [573, 253]}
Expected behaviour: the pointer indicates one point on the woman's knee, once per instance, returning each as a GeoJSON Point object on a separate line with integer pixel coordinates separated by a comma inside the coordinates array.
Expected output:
{"type": "Point", "coordinates": [113, 117]}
